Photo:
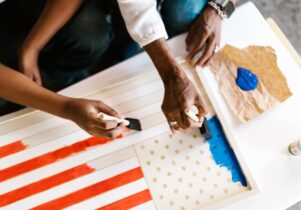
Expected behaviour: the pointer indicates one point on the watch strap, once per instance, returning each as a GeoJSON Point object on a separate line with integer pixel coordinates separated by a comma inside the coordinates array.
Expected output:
{"type": "Point", "coordinates": [218, 9]}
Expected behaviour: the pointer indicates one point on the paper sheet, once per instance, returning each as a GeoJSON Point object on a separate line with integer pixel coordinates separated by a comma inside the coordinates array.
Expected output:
{"type": "Point", "coordinates": [261, 61]}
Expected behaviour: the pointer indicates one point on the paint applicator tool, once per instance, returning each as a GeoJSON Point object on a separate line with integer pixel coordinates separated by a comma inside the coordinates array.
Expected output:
{"type": "Point", "coordinates": [131, 123]}
{"type": "Point", "coordinates": [205, 129]}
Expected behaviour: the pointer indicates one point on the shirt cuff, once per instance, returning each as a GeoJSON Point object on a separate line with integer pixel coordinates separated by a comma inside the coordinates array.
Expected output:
{"type": "Point", "coordinates": [143, 21]}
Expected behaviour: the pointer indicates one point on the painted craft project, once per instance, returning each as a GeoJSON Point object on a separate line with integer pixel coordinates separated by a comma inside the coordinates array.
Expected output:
{"type": "Point", "coordinates": [49, 163]}
{"type": "Point", "coordinates": [250, 80]}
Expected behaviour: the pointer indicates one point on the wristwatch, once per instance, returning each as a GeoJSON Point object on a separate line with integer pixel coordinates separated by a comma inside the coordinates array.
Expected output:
{"type": "Point", "coordinates": [225, 8]}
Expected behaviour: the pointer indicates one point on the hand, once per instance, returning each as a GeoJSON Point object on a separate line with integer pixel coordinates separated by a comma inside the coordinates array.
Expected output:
{"type": "Point", "coordinates": [28, 65]}
{"type": "Point", "coordinates": [180, 95]}
{"type": "Point", "coordinates": [84, 113]}
{"type": "Point", "coordinates": [204, 35]}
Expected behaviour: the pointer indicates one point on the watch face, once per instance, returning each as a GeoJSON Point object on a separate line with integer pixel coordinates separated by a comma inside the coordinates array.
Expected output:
{"type": "Point", "coordinates": [229, 8]}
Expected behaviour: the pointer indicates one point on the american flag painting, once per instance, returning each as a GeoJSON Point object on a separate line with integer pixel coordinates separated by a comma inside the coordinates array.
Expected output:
{"type": "Point", "coordinates": [115, 181]}
{"type": "Point", "coordinates": [62, 167]}
{"type": "Point", "coordinates": [50, 163]}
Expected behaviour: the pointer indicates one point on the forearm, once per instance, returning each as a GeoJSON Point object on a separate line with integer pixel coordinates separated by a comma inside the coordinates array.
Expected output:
{"type": "Point", "coordinates": [18, 88]}
{"type": "Point", "coordinates": [54, 16]}
{"type": "Point", "coordinates": [163, 59]}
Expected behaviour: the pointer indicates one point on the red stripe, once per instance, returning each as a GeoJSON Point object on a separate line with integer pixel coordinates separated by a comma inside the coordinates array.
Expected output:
{"type": "Point", "coordinates": [50, 157]}
{"type": "Point", "coordinates": [11, 148]}
{"type": "Point", "coordinates": [44, 184]}
{"type": "Point", "coordinates": [129, 202]}
{"type": "Point", "coordinates": [92, 190]}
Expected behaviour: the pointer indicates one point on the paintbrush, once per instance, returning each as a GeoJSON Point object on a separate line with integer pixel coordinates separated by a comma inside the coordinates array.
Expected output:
{"type": "Point", "coordinates": [205, 130]}
{"type": "Point", "coordinates": [131, 123]}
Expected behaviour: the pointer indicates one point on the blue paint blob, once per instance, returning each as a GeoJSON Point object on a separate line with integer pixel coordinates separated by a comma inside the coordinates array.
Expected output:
{"type": "Point", "coordinates": [246, 80]}
{"type": "Point", "coordinates": [222, 153]}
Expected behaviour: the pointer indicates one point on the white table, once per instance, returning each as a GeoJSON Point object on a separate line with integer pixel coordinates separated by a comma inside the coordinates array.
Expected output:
{"type": "Point", "coordinates": [277, 174]}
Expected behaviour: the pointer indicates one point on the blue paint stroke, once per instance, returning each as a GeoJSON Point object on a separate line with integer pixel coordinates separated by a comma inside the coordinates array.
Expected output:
{"type": "Point", "coordinates": [222, 153]}
{"type": "Point", "coordinates": [246, 80]}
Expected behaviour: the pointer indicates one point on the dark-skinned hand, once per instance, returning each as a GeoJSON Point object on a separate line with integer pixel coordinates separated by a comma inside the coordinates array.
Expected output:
{"type": "Point", "coordinates": [204, 35]}
{"type": "Point", "coordinates": [180, 95]}
{"type": "Point", "coordinates": [84, 113]}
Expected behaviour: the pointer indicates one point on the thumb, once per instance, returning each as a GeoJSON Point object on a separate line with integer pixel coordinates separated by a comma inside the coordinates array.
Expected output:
{"type": "Point", "coordinates": [108, 110]}
{"type": "Point", "coordinates": [37, 78]}
{"type": "Point", "coordinates": [29, 75]}
{"type": "Point", "coordinates": [201, 110]}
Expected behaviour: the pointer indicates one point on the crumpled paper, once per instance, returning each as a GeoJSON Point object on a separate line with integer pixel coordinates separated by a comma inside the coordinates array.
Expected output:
{"type": "Point", "coordinates": [272, 86]}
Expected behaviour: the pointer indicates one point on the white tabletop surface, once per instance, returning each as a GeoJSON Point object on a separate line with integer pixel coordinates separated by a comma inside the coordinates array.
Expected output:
{"type": "Point", "coordinates": [263, 141]}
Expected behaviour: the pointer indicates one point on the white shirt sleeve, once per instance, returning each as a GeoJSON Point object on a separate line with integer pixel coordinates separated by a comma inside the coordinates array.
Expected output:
{"type": "Point", "coordinates": [142, 20]}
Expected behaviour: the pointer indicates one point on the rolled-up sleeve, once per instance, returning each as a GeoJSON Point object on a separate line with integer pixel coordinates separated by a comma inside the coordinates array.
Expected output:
{"type": "Point", "coordinates": [142, 20]}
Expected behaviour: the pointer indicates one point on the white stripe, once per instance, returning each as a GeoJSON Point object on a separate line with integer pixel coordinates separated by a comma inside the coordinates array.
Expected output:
{"type": "Point", "coordinates": [135, 93]}
{"type": "Point", "coordinates": [113, 158]}
{"type": "Point", "coordinates": [111, 196]}
{"type": "Point", "coordinates": [145, 111]}
{"type": "Point", "coordinates": [51, 134]}
{"type": "Point", "coordinates": [145, 206]}
{"type": "Point", "coordinates": [126, 85]}
{"type": "Point", "coordinates": [74, 185]}
{"type": "Point", "coordinates": [31, 130]}
{"type": "Point", "coordinates": [83, 157]}
{"type": "Point", "coordinates": [23, 121]}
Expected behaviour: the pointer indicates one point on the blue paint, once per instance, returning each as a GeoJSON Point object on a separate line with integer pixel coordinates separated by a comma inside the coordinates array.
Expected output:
{"type": "Point", "coordinates": [222, 153]}
{"type": "Point", "coordinates": [246, 80]}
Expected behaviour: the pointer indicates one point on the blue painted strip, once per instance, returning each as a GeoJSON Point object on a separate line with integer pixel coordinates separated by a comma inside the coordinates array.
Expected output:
{"type": "Point", "coordinates": [222, 152]}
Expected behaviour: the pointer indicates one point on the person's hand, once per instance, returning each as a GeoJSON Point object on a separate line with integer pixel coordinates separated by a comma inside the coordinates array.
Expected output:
{"type": "Point", "coordinates": [180, 96]}
{"type": "Point", "coordinates": [84, 113]}
{"type": "Point", "coordinates": [204, 35]}
{"type": "Point", "coordinates": [28, 64]}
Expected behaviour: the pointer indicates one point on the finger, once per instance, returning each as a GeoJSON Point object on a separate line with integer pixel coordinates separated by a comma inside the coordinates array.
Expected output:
{"type": "Point", "coordinates": [37, 79]}
{"type": "Point", "coordinates": [214, 54]}
{"type": "Point", "coordinates": [189, 39]}
{"type": "Point", "coordinates": [180, 121]}
{"type": "Point", "coordinates": [175, 116]}
{"type": "Point", "coordinates": [29, 75]}
{"type": "Point", "coordinates": [105, 125]}
{"type": "Point", "coordinates": [188, 122]}
{"type": "Point", "coordinates": [197, 45]}
{"type": "Point", "coordinates": [208, 52]}
{"type": "Point", "coordinates": [209, 60]}
{"type": "Point", "coordinates": [108, 110]}
{"type": "Point", "coordinates": [187, 119]}
{"type": "Point", "coordinates": [110, 134]}
{"type": "Point", "coordinates": [201, 110]}
{"type": "Point", "coordinates": [170, 118]}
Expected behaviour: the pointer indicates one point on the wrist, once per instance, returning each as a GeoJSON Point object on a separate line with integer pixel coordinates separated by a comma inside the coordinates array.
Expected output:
{"type": "Point", "coordinates": [172, 74]}
{"type": "Point", "coordinates": [164, 61]}
{"type": "Point", "coordinates": [29, 49]}
{"type": "Point", "coordinates": [65, 107]}
{"type": "Point", "coordinates": [28, 54]}
{"type": "Point", "coordinates": [224, 8]}
{"type": "Point", "coordinates": [210, 10]}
